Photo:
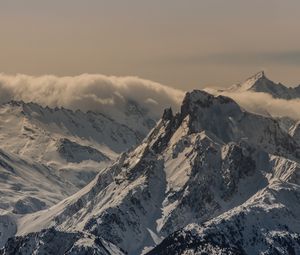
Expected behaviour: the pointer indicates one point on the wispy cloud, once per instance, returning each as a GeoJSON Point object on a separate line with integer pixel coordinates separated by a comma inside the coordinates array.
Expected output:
{"type": "Point", "coordinates": [89, 92]}
{"type": "Point", "coordinates": [263, 103]}
{"type": "Point", "coordinates": [105, 93]}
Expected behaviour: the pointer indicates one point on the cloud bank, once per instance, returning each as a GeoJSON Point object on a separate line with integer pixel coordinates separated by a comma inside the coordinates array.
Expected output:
{"type": "Point", "coordinates": [109, 94]}
{"type": "Point", "coordinates": [263, 103]}
{"type": "Point", "coordinates": [89, 92]}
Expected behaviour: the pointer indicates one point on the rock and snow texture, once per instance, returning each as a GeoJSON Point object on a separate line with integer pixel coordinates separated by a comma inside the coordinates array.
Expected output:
{"type": "Point", "coordinates": [51, 241]}
{"type": "Point", "coordinates": [70, 143]}
{"type": "Point", "coordinates": [260, 83]}
{"type": "Point", "coordinates": [210, 161]}
{"type": "Point", "coordinates": [268, 223]}
{"type": "Point", "coordinates": [260, 95]}
{"type": "Point", "coordinates": [295, 131]}
{"type": "Point", "coordinates": [136, 117]}
{"type": "Point", "coordinates": [134, 102]}
{"type": "Point", "coordinates": [76, 153]}
{"type": "Point", "coordinates": [26, 187]}
{"type": "Point", "coordinates": [49, 154]}
{"type": "Point", "coordinates": [33, 131]}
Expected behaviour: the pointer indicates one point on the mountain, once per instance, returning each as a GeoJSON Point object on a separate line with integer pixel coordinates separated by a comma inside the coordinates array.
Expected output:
{"type": "Point", "coordinates": [68, 142]}
{"type": "Point", "coordinates": [193, 167]}
{"type": "Point", "coordinates": [268, 223]}
{"type": "Point", "coordinates": [252, 95]}
{"type": "Point", "coordinates": [30, 121]}
{"type": "Point", "coordinates": [49, 154]}
{"type": "Point", "coordinates": [51, 241]}
{"type": "Point", "coordinates": [260, 83]}
{"type": "Point", "coordinates": [26, 187]}
{"type": "Point", "coordinates": [131, 114]}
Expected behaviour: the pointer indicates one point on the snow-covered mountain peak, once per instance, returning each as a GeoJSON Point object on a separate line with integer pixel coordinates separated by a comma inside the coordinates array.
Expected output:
{"type": "Point", "coordinates": [90, 127]}
{"type": "Point", "coordinates": [254, 82]}
{"type": "Point", "coordinates": [34, 110]}
{"type": "Point", "coordinates": [200, 98]}
{"type": "Point", "coordinates": [261, 83]}
{"type": "Point", "coordinates": [224, 120]}
{"type": "Point", "coordinates": [131, 114]}
{"type": "Point", "coordinates": [257, 76]}
{"type": "Point", "coordinates": [194, 166]}
{"type": "Point", "coordinates": [198, 102]}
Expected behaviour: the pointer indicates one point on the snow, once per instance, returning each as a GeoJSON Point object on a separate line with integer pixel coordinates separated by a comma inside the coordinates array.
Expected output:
{"type": "Point", "coordinates": [49, 154]}
{"type": "Point", "coordinates": [209, 169]}
{"type": "Point", "coordinates": [254, 227]}
{"type": "Point", "coordinates": [295, 131]}
{"type": "Point", "coordinates": [260, 83]}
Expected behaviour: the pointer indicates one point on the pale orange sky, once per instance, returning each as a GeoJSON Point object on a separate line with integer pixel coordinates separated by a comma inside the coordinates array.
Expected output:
{"type": "Point", "coordinates": [184, 44]}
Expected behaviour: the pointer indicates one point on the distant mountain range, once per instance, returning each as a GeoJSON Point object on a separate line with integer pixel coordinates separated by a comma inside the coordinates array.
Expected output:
{"type": "Point", "coordinates": [260, 83]}
{"type": "Point", "coordinates": [251, 95]}
{"type": "Point", "coordinates": [232, 174]}
{"type": "Point", "coordinates": [212, 178]}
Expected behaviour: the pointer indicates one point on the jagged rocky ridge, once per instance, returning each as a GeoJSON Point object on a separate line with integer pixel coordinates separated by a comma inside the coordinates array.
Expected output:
{"type": "Point", "coordinates": [268, 223]}
{"type": "Point", "coordinates": [68, 142]}
{"type": "Point", "coordinates": [193, 167]}
{"type": "Point", "coordinates": [52, 241]}
{"type": "Point", "coordinates": [29, 121]}
{"type": "Point", "coordinates": [260, 83]}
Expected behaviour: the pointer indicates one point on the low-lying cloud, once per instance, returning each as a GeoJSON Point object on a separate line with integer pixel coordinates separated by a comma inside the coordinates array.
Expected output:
{"type": "Point", "coordinates": [109, 93]}
{"type": "Point", "coordinates": [89, 92]}
{"type": "Point", "coordinates": [263, 103]}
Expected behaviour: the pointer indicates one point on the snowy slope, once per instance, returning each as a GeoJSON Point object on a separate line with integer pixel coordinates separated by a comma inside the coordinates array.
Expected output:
{"type": "Point", "coordinates": [268, 223]}
{"type": "Point", "coordinates": [206, 160]}
{"type": "Point", "coordinates": [26, 187]}
{"type": "Point", "coordinates": [134, 116]}
{"type": "Point", "coordinates": [48, 154]}
{"type": "Point", "coordinates": [69, 142]}
{"type": "Point", "coordinates": [260, 83]}
{"type": "Point", "coordinates": [26, 126]}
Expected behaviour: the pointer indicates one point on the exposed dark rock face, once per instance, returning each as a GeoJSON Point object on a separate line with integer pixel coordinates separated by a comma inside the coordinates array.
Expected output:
{"type": "Point", "coordinates": [52, 241]}
{"type": "Point", "coordinates": [74, 152]}
{"type": "Point", "coordinates": [255, 227]}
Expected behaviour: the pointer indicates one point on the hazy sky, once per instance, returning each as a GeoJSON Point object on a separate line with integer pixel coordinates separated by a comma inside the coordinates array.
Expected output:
{"type": "Point", "coordinates": [181, 43]}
